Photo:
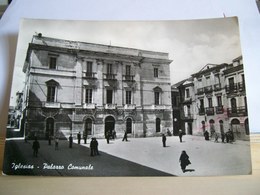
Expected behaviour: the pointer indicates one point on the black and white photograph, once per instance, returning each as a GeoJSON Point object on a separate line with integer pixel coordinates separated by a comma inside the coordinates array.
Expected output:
{"type": "Point", "coordinates": [128, 98]}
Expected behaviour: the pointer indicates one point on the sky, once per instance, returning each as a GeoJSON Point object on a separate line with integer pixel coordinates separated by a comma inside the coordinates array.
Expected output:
{"type": "Point", "coordinates": [191, 44]}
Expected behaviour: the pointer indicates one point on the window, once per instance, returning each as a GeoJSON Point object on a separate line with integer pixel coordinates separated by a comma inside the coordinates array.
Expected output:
{"type": "Point", "coordinates": [52, 62]}
{"type": "Point", "coordinates": [109, 69]}
{"type": "Point", "coordinates": [231, 83]}
{"type": "Point", "coordinates": [155, 72]}
{"type": "Point", "coordinates": [219, 100]}
{"type": "Point", "coordinates": [89, 69]}
{"type": "Point", "coordinates": [128, 70]}
{"type": "Point", "coordinates": [128, 97]}
{"type": "Point", "coordinates": [158, 125]}
{"type": "Point", "coordinates": [210, 102]}
{"type": "Point", "coordinates": [109, 96]}
{"type": "Point", "coordinates": [156, 98]}
{"type": "Point", "coordinates": [187, 93]}
{"type": "Point", "coordinates": [201, 104]}
{"type": "Point", "coordinates": [51, 93]}
{"type": "Point", "coordinates": [88, 96]}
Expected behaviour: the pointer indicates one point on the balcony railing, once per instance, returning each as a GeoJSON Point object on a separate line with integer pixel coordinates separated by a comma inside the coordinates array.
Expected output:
{"type": "Point", "coordinates": [89, 106]}
{"type": "Point", "coordinates": [232, 88]}
{"type": "Point", "coordinates": [237, 112]}
{"type": "Point", "coordinates": [187, 116]}
{"type": "Point", "coordinates": [200, 91]}
{"type": "Point", "coordinates": [90, 75]}
{"type": "Point", "coordinates": [217, 87]}
{"type": "Point", "coordinates": [208, 89]}
{"type": "Point", "coordinates": [201, 111]}
{"type": "Point", "coordinates": [51, 104]}
{"type": "Point", "coordinates": [219, 109]}
{"type": "Point", "coordinates": [241, 86]}
{"type": "Point", "coordinates": [110, 76]}
{"type": "Point", "coordinates": [210, 111]}
{"type": "Point", "coordinates": [110, 106]}
{"type": "Point", "coordinates": [129, 106]}
{"type": "Point", "coordinates": [128, 78]}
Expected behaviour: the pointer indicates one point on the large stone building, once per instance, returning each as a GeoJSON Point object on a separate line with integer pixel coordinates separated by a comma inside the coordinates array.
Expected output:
{"type": "Point", "coordinates": [214, 99]}
{"type": "Point", "coordinates": [91, 88]}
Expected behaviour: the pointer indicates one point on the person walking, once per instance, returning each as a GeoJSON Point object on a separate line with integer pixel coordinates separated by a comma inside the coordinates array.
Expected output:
{"type": "Point", "coordinates": [94, 147]}
{"type": "Point", "coordinates": [107, 136]}
{"type": "Point", "coordinates": [85, 136]}
{"type": "Point", "coordinates": [180, 135]}
{"type": "Point", "coordinates": [206, 135]}
{"type": "Point", "coordinates": [56, 143]}
{"type": "Point", "coordinates": [184, 161]}
{"type": "Point", "coordinates": [125, 137]}
{"type": "Point", "coordinates": [79, 137]}
{"type": "Point", "coordinates": [49, 138]}
{"type": "Point", "coordinates": [36, 146]}
{"type": "Point", "coordinates": [164, 140]}
{"type": "Point", "coordinates": [70, 141]}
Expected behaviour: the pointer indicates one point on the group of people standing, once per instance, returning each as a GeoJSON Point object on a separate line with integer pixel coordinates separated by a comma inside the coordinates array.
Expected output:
{"type": "Point", "coordinates": [228, 136]}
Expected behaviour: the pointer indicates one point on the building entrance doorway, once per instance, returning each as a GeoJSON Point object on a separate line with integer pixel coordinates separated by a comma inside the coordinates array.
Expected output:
{"type": "Point", "coordinates": [50, 127]}
{"type": "Point", "coordinates": [109, 125]}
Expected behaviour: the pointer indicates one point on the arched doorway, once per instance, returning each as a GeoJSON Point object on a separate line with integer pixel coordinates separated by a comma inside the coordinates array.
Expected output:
{"type": "Point", "coordinates": [109, 124]}
{"type": "Point", "coordinates": [129, 125]}
{"type": "Point", "coordinates": [50, 127]}
{"type": "Point", "coordinates": [235, 127]}
{"type": "Point", "coordinates": [158, 125]}
{"type": "Point", "coordinates": [88, 126]}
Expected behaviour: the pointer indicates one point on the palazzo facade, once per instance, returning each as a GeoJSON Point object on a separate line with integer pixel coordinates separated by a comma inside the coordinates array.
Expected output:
{"type": "Point", "coordinates": [91, 88]}
{"type": "Point", "coordinates": [214, 99]}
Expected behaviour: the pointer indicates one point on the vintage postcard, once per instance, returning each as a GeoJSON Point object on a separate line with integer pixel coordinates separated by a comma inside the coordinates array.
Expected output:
{"type": "Point", "coordinates": [128, 98]}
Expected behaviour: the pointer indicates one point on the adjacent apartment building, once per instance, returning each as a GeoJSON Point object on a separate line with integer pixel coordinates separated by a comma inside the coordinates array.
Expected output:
{"type": "Point", "coordinates": [91, 88]}
{"type": "Point", "coordinates": [214, 99]}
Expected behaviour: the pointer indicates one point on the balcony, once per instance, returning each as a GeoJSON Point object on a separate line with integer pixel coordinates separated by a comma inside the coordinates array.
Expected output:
{"type": "Point", "coordinates": [208, 89]}
{"type": "Point", "coordinates": [90, 75]}
{"type": "Point", "coordinates": [110, 106]}
{"type": "Point", "coordinates": [201, 111]}
{"type": "Point", "coordinates": [237, 112]}
{"type": "Point", "coordinates": [128, 78]}
{"type": "Point", "coordinates": [241, 86]}
{"type": "Point", "coordinates": [219, 109]}
{"type": "Point", "coordinates": [231, 88]}
{"type": "Point", "coordinates": [200, 91]}
{"type": "Point", "coordinates": [89, 106]}
{"type": "Point", "coordinates": [186, 116]}
{"type": "Point", "coordinates": [51, 104]}
{"type": "Point", "coordinates": [187, 101]}
{"type": "Point", "coordinates": [110, 77]}
{"type": "Point", "coordinates": [129, 106]}
{"type": "Point", "coordinates": [217, 87]}
{"type": "Point", "coordinates": [210, 111]}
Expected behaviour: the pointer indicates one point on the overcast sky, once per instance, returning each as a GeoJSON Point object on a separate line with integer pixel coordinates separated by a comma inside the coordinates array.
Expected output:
{"type": "Point", "coordinates": [191, 44]}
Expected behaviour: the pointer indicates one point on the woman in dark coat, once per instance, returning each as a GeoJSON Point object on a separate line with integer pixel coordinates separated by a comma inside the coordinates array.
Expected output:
{"type": "Point", "coordinates": [184, 160]}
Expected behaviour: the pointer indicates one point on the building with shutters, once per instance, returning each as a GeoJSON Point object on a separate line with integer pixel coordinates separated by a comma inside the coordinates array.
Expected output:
{"type": "Point", "coordinates": [214, 99]}
{"type": "Point", "coordinates": [91, 88]}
